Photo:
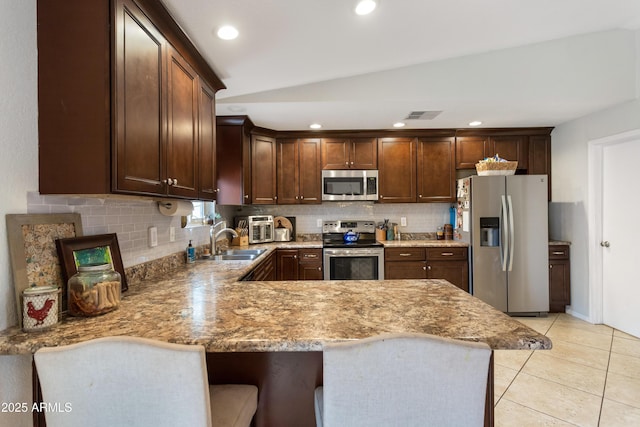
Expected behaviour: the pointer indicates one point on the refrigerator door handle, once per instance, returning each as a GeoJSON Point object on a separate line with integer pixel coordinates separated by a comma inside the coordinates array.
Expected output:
{"type": "Point", "coordinates": [504, 249]}
{"type": "Point", "coordinates": [512, 234]}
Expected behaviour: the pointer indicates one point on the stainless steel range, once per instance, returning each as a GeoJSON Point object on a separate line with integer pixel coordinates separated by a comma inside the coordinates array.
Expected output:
{"type": "Point", "coordinates": [351, 252]}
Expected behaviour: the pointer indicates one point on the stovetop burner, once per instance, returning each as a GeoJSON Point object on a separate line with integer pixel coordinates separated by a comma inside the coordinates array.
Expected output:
{"type": "Point", "coordinates": [333, 232]}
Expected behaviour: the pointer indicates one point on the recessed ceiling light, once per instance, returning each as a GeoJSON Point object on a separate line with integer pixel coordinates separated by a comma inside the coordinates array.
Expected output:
{"type": "Point", "coordinates": [365, 7]}
{"type": "Point", "coordinates": [398, 125]}
{"type": "Point", "coordinates": [227, 32]}
{"type": "Point", "coordinates": [475, 123]}
{"type": "Point", "coordinates": [315, 126]}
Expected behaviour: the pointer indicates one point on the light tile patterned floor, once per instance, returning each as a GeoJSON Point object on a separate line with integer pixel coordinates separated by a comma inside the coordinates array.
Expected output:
{"type": "Point", "coordinates": [591, 377]}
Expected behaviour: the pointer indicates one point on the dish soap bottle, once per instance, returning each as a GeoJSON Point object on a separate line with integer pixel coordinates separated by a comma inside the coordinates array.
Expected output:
{"type": "Point", "coordinates": [191, 253]}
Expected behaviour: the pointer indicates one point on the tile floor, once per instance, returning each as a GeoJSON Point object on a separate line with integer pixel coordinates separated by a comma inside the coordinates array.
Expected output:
{"type": "Point", "coordinates": [591, 377]}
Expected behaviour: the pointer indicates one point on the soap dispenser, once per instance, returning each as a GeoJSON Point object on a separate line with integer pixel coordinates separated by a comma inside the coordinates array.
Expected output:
{"type": "Point", "coordinates": [191, 253]}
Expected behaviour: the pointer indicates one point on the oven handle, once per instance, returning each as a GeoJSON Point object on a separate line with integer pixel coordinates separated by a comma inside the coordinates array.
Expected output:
{"type": "Point", "coordinates": [353, 251]}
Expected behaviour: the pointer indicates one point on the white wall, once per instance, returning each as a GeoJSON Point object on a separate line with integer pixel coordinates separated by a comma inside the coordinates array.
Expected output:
{"type": "Point", "coordinates": [19, 165]}
{"type": "Point", "coordinates": [568, 210]}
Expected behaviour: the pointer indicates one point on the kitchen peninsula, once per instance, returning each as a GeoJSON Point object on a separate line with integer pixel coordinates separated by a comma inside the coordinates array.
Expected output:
{"type": "Point", "coordinates": [272, 333]}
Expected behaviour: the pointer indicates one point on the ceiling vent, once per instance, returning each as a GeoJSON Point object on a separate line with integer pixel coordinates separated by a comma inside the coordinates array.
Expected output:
{"type": "Point", "coordinates": [423, 115]}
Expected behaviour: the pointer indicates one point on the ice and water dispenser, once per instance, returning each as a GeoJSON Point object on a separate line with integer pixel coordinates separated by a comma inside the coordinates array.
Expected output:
{"type": "Point", "coordinates": [489, 231]}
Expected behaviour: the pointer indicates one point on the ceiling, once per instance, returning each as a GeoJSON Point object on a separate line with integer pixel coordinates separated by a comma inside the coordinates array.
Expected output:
{"type": "Point", "coordinates": [507, 63]}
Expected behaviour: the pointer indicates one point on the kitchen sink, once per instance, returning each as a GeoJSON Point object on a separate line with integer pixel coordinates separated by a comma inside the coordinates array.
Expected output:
{"type": "Point", "coordinates": [237, 255]}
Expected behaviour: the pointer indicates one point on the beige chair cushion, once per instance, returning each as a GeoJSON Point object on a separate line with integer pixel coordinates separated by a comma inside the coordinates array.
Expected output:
{"type": "Point", "coordinates": [233, 405]}
{"type": "Point", "coordinates": [129, 381]}
{"type": "Point", "coordinates": [403, 380]}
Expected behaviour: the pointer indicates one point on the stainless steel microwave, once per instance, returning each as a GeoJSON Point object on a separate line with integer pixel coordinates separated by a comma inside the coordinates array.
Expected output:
{"type": "Point", "coordinates": [342, 185]}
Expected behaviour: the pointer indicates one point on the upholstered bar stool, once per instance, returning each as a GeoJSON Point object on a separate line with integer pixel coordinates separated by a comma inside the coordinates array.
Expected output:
{"type": "Point", "coordinates": [128, 381]}
{"type": "Point", "coordinates": [403, 380]}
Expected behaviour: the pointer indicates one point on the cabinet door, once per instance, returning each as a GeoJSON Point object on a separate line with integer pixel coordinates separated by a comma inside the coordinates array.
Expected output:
{"type": "Point", "coordinates": [207, 142]}
{"type": "Point", "coordinates": [513, 148]}
{"type": "Point", "coordinates": [540, 158]}
{"type": "Point", "coordinates": [287, 164]}
{"type": "Point", "coordinates": [363, 153]}
{"type": "Point", "coordinates": [263, 170]}
{"type": "Point", "coordinates": [287, 264]}
{"type": "Point", "coordinates": [309, 173]}
{"type": "Point", "coordinates": [182, 126]}
{"type": "Point", "coordinates": [559, 286]}
{"type": "Point", "coordinates": [335, 153]}
{"type": "Point", "coordinates": [436, 170]}
{"type": "Point", "coordinates": [456, 272]}
{"type": "Point", "coordinates": [140, 116]}
{"type": "Point", "coordinates": [397, 170]}
{"type": "Point", "coordinates": [405, 270]}
{"type": "Point", "coordinates": [470, 150]}
{"type": "Point", "coordinates": [310, 264]}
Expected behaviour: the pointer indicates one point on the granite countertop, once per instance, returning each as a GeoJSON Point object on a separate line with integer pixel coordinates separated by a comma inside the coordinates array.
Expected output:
{"type": "Point", "coordinates": [423, 243]}
{"type": "Point", "coordinates": [204, 303]}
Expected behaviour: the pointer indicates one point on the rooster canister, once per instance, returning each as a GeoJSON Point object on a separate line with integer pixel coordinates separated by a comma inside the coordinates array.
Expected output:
{"type": "Point", "coordinates": [39, 308]}
{"type": "Point", "coordinates": [93, 290]}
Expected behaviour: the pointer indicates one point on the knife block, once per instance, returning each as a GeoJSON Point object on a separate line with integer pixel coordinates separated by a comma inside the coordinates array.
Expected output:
{"type": "Point", "coordinates": [240, 241]}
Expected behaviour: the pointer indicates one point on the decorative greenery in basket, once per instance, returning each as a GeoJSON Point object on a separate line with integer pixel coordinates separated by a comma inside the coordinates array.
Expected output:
{"type": "Point", "coordinates": [496, 166]}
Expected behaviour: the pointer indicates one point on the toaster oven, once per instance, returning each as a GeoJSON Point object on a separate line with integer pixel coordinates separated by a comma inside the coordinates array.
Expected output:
{"type": "Point", "coordinates": [260, 227]}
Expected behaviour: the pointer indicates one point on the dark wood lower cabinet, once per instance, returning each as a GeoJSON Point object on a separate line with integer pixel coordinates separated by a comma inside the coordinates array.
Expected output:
{"type": "Point", "coordinates": [559, 278]}
{"type": "Point", "coordinates": [299, 264]}
{"type": "Point", "coordinates": [446, 263]}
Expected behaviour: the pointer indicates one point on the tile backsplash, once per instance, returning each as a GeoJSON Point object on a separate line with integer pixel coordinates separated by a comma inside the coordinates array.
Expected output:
{"type": "Point", "coordinates": [421, 217]}
{"type": "Point", "coordinates": [131, 217]}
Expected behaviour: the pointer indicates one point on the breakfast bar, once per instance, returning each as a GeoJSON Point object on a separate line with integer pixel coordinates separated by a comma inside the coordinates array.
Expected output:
{"type": "Point", "coordinates": [271, 333]}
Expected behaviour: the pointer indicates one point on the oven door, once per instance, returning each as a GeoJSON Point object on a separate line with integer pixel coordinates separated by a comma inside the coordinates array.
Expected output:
{"type": "Point", "coordinates": [353, 263]}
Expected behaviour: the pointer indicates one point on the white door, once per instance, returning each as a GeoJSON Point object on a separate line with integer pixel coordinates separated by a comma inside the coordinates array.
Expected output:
{"type": "Point", "coordinates": [620, 236]}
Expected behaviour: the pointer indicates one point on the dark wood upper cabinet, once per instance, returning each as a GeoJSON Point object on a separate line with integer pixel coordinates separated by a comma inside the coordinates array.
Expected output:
{"type": "Point", "coordinates": [397, 170]}
{"type": "Point", "coordinates": [299, 177]}
{"type": "Point", "coordinates": [436, 171]}
{"type": "Point", "coordinates": [470, 150]}
{"type": "Point", "coordinates": [540, 157]}
{"type": "Point", "coordinates": [207, 142]}
{"type": "Point", "coordinates": [182, 127]}
{"type": "Point", "coordinates": [349, 153]}
{"type": "Point", "coordinates": [233, 155]}
{"type": "Point", "coordinates": [140, 74]}
{"type": "Point", "coordinates": [118, 102]}
{"type": "Point", "coordinates": [263, 170]}
{"type": "Point", "coordinates": [512, 148]}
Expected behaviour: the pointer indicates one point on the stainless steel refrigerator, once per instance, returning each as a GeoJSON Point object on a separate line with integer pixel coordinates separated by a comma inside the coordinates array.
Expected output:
{"type": "Point", "coordinates": [505, 221]}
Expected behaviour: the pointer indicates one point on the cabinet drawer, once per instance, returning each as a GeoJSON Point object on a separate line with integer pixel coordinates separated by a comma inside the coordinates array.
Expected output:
{"type": "Point", "coordinates": [310, 255]}
{"type": "Point", "coordinates": [444, 253]}
{"type": "Point", "coordinates": [404, 254]}
{"type": "Point", "coordinates": [559, 252]}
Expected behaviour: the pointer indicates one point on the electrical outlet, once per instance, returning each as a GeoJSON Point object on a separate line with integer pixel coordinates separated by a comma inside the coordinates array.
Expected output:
{"type": "Point", "coordinates": [153, 237]}
{"type": "Point", "coordinates": [172, 234]}
{"type": "Point", "coordinates": [319, 222]}
{"type": "Point", "coordinates": [403, 221]}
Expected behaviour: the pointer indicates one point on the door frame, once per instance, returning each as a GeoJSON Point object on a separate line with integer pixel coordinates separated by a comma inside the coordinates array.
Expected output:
{"type": "Point", "coordinates": [595, 174]}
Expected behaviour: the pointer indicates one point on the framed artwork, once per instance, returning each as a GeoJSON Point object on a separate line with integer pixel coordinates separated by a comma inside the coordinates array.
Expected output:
{"type": "Point", "coordinates": [90, 250]}
{"type": "Point", "coordinates": [32, 248]}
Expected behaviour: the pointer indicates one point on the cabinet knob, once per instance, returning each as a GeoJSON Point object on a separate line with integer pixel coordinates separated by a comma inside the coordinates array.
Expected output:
{"type": "Point", "coordinates": [428, 267]}
{"type": "Point", "coordinates": [295, 257]}
{"type": "Point", "coordinates": [381, 196]}
{"type": "Point", "coordinates": [175, 181]}
{"type": "Point", "coordinates": [420, 196]}
{"type": "Point", "coordinates": [424, 268]}
{"type": "Point", "coordinates": [301, 197]}
{"type": "Point", "coordinates": [351, 163]}
{"type": "Point", "coordinates": [275, 197]}
{"type": "Point", "coordinates": [346, 163]}
{"type": "Point", "coordinates": [217, 190]}
{"type": "Point", "coordinates": [550, 266]}
{"type": "Point", "coordinates": [246, 196]}
{"type": "Point", "coordinates": [319, 268]}
{"type": "Point", "coordinates": [296, 197]}
{"type": "Point", "coordinates": [605, 244]}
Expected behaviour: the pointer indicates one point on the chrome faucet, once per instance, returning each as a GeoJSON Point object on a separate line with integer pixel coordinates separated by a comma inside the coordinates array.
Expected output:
{"type": "Point", "coordinates": [216, 235]}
